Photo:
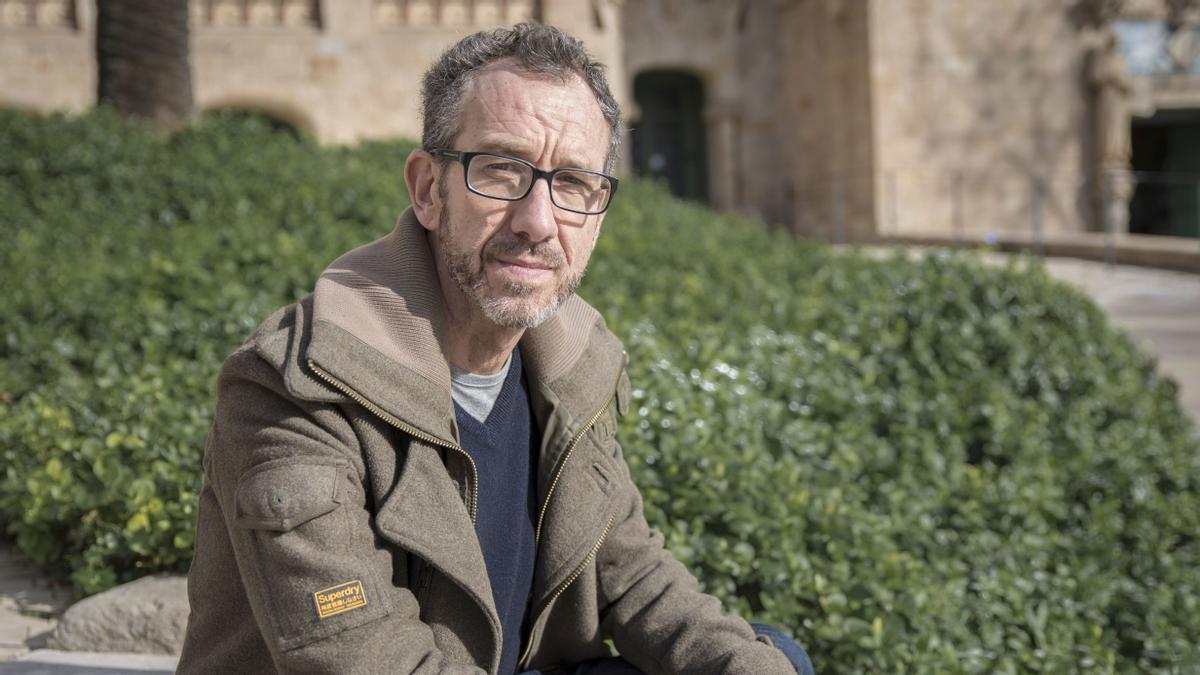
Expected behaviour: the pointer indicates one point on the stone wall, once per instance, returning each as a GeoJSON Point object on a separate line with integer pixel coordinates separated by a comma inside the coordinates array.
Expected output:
{"type": "Point", "coordinates": [47, 55]}
{"type": "Point", "coordinates": [344, 70]}
{"type": "Point", "coordinates": [828, 104]}
{"type": "Point", "coordinates": [358, 74]}
{"type": "Point", "coordinates": [973, 103]}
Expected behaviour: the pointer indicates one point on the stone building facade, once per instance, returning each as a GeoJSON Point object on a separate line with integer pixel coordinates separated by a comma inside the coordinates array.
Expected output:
{"type": "Point", "coordinates": [978, 117]}
{"type": "Point", "coordinates": [342, 70]}
{"type": "Point", "coordinates": [916, 119]}
{"type": "Point", "coordinates": [842, 119]}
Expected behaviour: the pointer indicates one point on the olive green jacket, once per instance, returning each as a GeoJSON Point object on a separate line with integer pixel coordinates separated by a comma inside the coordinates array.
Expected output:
{"type": "Point", "coordinates": [335, 530]}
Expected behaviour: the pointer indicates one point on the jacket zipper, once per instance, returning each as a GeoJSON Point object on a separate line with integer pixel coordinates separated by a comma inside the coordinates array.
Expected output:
{"type": "Point", "coordinates": [565, 585]}
{"type": "Point", "coordinates": [537, 537]}
{"type": "Point", "coordinates": [417, 433]}
{"type": "Point", "coordinates": [408, 429]}
{"type": "Point", "coordinates": [546, 504]}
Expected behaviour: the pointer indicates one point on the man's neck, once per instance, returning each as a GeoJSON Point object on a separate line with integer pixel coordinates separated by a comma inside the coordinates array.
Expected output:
{"type": "Point", "coordinates": [479, 347]}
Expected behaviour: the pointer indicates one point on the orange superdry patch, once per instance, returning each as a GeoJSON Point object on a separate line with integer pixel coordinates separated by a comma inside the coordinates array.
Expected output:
{"type": "Point", "coordinates": [341, 598]}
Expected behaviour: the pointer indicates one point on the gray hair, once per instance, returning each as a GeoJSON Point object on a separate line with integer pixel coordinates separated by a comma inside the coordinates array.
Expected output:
{"type": "Point", "coordinates": [537, 49]}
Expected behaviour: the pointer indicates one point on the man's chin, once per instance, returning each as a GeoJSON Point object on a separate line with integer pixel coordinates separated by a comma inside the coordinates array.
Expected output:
{"type": "Point", "coordinates": [520, 312]}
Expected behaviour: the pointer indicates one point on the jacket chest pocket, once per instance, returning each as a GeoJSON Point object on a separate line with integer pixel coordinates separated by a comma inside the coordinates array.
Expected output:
{"type": "Point", "coordinates": [308, 559]}
{"type": "Point", "coordinates": [603, 437]}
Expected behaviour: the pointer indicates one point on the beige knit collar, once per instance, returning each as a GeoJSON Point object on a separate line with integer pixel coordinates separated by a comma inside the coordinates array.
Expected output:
{"type": "Point", "coordinates": [377, 315]}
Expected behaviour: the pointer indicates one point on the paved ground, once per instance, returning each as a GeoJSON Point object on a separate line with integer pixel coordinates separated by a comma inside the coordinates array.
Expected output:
{"type": "Point", "coordinates": [27, 604]}
{"type": "Point", "coordinates": [1160, 309]}
{"type": "Point", "coordinates": [51, 662]}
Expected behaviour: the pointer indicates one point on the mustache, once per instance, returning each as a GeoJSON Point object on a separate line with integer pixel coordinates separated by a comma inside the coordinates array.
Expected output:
{"type": "Point", "coordinates": [542, 252]}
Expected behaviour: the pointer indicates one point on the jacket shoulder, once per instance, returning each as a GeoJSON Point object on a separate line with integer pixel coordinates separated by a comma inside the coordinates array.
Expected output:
{"type": "Point", "coordinates": [278, 344]}
{"type": "Point", "coordinates": [273, 338]}
{"type": "Point", "coordinates": [258, 399]}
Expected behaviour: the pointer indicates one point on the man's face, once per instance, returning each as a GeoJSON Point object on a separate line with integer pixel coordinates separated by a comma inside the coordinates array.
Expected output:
{"type": "Point", "coordinates": [517, 261]}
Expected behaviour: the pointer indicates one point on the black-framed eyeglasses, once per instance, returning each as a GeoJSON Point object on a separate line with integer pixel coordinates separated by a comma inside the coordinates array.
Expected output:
{"type": "Point", "coordinates": [511, 179]}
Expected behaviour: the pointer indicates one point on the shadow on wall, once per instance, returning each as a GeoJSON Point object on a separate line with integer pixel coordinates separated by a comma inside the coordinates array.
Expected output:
{"type": "Point", "coordinates": [281, 116]}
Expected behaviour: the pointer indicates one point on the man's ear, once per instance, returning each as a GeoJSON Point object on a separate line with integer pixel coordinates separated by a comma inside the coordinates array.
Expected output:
{"type": "Point", "coordinates": [420, 174]}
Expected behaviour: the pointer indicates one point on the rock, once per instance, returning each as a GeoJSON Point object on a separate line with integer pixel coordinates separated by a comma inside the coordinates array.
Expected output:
{"type": "Point", "coordinates": [147, 616]}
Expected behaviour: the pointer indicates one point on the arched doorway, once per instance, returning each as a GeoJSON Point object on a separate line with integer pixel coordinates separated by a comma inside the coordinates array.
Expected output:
{"type": "Point", "coordinates": [1166, 157]}
{"type": "Point", "coordinates": [669, 139]}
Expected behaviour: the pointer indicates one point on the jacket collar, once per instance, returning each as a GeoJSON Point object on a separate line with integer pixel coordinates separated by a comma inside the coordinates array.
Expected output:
{"type": "Point", "coordinates": [375, 324]}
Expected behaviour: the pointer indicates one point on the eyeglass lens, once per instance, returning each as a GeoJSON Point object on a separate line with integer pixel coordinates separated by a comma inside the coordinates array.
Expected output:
{"type": "Point", "coordinates": [504, 178]}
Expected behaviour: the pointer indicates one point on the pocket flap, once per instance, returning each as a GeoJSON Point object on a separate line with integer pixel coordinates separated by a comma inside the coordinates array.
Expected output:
{"type": "Point", "coordinates": [284, 493]}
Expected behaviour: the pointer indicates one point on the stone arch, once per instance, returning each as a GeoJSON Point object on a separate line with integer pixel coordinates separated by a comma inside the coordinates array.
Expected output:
{"type": "Point", "coordinates": [284, 113]}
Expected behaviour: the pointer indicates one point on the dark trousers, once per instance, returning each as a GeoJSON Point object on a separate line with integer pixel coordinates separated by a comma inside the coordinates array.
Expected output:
{"type": "Point", "coordinates": [794, 653]}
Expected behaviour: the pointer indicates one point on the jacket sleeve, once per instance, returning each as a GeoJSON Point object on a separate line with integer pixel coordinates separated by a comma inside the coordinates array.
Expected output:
{"type": "Point", "coordinates": [287, 476]}
{"type": "Point", "coordinates": [658, 618]}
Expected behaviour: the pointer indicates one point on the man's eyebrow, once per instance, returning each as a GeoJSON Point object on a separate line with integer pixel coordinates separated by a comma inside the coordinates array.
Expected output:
{"type": "Point", "coordinates": [523, 152]}
{"type": "Point", "coordinates": [505, 149]}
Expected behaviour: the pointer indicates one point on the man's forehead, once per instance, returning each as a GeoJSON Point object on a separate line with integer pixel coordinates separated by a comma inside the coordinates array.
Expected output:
{"type": "Point", "coordinates": [512, 110]}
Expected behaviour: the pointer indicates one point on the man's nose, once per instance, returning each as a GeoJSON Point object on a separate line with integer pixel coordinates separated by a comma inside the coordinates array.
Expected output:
{"type": "Point", "coordinates": [534, 216]}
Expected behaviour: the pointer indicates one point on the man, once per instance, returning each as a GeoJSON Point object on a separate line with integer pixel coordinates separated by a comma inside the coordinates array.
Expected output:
{"type": "Point", "coordinates": [414, 469]}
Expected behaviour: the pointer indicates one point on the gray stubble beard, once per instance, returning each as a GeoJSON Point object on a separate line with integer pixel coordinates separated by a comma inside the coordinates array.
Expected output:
{"type": "Point", "coordinates": [471, 279]}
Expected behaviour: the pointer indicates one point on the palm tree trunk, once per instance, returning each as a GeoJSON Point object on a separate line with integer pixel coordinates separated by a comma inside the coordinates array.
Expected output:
{"type": "Point", "coordinates": [142, 49]}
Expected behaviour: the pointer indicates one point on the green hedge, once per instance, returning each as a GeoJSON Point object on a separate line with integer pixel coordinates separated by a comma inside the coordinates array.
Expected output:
{"type": "Point", "coordinates": [924, 465]}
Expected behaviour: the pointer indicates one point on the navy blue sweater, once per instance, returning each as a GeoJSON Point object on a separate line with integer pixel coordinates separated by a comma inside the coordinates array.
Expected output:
{"type": "Point", "coordinates": [505, 451]}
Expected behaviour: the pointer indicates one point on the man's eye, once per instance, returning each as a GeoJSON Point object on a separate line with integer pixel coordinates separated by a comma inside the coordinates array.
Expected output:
{"type": "Point", "coordinates": [574, 181]}
{"type": "Point", "coordinates": [504, 168]}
